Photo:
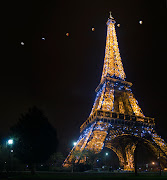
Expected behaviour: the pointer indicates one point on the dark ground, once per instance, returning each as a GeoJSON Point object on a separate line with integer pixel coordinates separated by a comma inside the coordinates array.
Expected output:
{"type": "Point", "coordinates": [83, 176]}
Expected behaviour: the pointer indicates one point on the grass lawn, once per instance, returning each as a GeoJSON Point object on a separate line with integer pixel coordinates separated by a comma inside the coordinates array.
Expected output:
{"type": "Point", "coordinates": [85, 176]}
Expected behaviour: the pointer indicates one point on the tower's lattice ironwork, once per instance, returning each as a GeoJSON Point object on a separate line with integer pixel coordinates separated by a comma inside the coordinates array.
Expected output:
{"type": "Point", "coordinates": [116, 121]}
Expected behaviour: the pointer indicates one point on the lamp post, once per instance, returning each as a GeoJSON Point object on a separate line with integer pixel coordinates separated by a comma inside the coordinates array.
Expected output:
{"type": "Point", "coordinates": [106, 154]}
{"type": "Point", "coordinates": [10, 144]}
{"type": "Point", "coordinates": [73, 159]}
{"type": "Point", "coordinates": [146, 167]}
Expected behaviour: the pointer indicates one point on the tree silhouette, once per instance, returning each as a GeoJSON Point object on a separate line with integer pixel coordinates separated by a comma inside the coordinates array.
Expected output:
{"type": "Point", "coordinates": [91, 155]}
{"type": "Point", "coordinates": [35, 138]}
{"type": "Point", "coordinates": [56, 160]}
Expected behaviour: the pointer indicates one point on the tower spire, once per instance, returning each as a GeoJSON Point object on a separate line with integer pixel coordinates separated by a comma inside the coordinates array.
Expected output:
{"type": "Point", "coordinates": [112, 61]}
{"type": "Point", "coordinates": [110, 15]}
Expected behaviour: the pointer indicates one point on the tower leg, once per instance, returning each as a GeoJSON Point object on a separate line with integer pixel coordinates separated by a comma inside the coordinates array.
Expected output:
{"type": "Point", "coordinates": [120, 156]}
{"type": "Point", "coordinates": [129, 151]}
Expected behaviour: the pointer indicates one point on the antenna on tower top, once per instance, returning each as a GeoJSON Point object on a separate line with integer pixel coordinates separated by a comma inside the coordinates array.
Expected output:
{"type": "Point", "coordinates": [110, 15]}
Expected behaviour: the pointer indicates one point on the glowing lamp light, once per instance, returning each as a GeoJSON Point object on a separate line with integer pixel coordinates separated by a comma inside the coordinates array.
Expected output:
{"type": "Point", "coordinates": [140, 22]}
{"type": "Point", "coordinates": [106, 154]}
{"type": "Point", "coordinates": [153, 163]}
{"type": "Point", "coordinates": [43, 38]}
{"type": "Point", "coordinates": [118, 25]}
{"type": "Point", "coordinates": [93, 29]}
{"type": "Point", "coordinates": [22, 43]}
{"type": "Point", "coordinates": [10, 141]}
{"type": "Point", "coordinates": [67, 34]}
{"type": "Point", "coordinates": [74, 143]}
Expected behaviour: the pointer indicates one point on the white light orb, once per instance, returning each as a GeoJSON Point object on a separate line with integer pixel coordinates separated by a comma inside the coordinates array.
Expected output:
{"type": "Point", "coordinates": [75, 143]}
{"type": "Point", "coordinates": [10, 141]}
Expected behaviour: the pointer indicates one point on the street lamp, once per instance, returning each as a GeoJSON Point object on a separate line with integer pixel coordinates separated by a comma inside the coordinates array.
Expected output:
{"type": "Point", "coordinates": [10, 141]}
{"type": "Point", "coordinates": [106, 154]}
{"type": "Point", "coordinates": [74, 143]}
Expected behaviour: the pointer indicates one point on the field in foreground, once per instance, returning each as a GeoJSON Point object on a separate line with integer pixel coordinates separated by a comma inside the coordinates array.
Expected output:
{"type": "Point", "coordinates": [82, 176]}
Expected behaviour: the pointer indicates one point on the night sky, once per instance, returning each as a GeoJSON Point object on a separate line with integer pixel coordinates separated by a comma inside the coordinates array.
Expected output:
{"type": "Point", "coordinates": [60, 74]}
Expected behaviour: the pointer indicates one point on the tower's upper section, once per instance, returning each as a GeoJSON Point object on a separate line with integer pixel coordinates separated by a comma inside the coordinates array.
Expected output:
{"type": "Point", "coordinates": [112, 62]}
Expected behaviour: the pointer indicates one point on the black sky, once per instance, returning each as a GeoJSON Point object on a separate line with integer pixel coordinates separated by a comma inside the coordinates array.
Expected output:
{"type": "Point", "coordinates": [60, 74]}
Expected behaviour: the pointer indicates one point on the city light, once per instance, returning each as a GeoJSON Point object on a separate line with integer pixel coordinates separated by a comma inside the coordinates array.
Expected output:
{"type": "Point", "coordinates": [10, 141]}
{"type": "Point", "coordinates": [140, 22]}
{"type": "Point", "coordinates": [74, 143]}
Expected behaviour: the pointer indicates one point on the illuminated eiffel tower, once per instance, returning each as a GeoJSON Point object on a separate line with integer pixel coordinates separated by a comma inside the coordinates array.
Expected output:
{"type": "Point", "coordinates": [116, 120]}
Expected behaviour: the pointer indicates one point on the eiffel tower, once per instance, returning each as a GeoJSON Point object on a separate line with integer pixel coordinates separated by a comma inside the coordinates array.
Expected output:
{"type": "Point", "coordinates": [116, 120]}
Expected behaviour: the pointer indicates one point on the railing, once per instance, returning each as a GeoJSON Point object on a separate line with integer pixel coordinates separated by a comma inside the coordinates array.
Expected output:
{"type": "Point", "coordinates": [110, 116]}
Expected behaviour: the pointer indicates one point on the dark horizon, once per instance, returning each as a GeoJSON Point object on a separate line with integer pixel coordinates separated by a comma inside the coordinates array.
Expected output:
{"type": "Point", "coordinates": [60, 74]}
